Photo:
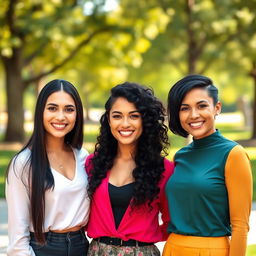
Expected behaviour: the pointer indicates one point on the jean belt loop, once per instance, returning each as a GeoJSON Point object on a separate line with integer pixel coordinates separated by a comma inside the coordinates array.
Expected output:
{"type": "Point", "coordinates": [48, 236]}
{"type": "Point", "coordinates": [69, 242]}
{"type": "Point", "coordinates": [82, 232]}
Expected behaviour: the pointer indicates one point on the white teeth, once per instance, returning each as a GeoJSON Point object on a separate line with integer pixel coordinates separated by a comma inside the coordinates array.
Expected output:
{"type": "Point", "coordinates": [197, 124]}
{"type": "Point", "coordinates": [126, 133]}
{"type": "Point", "coordinates": [59, 125]}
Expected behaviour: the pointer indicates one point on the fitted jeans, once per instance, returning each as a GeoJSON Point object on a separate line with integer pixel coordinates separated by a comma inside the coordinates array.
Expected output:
{"type": "Point", "coordinates": [61, 244]}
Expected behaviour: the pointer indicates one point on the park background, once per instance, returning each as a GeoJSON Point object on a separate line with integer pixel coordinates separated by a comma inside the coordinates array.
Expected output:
{"type": "Point", "coordinates": [97, 44]}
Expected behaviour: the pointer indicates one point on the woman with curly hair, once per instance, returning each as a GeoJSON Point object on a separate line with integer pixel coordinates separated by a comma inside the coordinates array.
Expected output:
{"type": "Point", "coordinates": [127, 175]}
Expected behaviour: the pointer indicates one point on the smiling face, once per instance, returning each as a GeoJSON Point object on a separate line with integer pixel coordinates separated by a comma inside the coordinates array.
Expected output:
{"type": "Point", "coordinates": [59, 115]}
{"type": "Point", "coordinates": [125, 122]}
{"type": "Point", "coordinates": [197, 113]}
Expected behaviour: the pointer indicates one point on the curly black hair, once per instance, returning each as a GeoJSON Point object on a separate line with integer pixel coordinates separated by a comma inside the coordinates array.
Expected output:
{"type": "Point", "coordinates": [151, 148]}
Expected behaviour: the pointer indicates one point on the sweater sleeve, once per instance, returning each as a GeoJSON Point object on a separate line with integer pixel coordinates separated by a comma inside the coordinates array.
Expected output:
{"type": "Point", "coordinates": [18, 211]}
{"type": "Point", "coordinates": [238, 178]}
{"type": "Point", "coordinates": [163, 199]}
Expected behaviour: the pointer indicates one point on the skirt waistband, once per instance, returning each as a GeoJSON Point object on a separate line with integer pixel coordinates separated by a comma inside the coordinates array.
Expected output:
{"type": "Point", "coordinates": [199, 241]}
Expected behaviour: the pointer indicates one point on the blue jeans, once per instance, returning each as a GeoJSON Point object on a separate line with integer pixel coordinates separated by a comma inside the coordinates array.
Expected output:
{"type": "Point", "coordinates": [61, 244]}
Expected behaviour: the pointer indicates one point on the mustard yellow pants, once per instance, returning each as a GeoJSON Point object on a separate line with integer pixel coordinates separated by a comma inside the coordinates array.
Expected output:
{"type": "Point", "coordinates": [179, 245]}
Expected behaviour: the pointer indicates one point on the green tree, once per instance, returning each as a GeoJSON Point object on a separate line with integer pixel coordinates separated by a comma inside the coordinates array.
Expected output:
{"type": "Point", "coordinates": [199, 38]}
{"type": "Point", "coordinates": [100, 66]}
{"type": "Point", "coordinates": [36, 39]}
{"type": "Point", "coordinates": [246, 18]}
{"type": "Point", "coordinates": [39, 38]}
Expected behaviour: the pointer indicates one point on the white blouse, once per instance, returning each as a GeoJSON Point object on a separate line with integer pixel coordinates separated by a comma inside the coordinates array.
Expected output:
{"type": "Point", "coordinates": [66, 205]}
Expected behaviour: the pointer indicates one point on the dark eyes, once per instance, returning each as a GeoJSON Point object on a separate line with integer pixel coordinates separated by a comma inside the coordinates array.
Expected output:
{"type": "Point", "coordinates": [116, 116]}
{"type": "Point", "coordinates": [68, 109]}
{"type": "Point", "coordinates": [200, 106]}
{"type": "Point", "coordinates": [132, 116]}
{"type": "Point", "coordinates": [183, 108]}
{"type": "Point", "coordinates": [52, 108]}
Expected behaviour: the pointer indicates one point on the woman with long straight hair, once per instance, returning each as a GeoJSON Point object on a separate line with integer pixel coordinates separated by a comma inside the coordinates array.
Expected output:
{"type": "Point", "coordinates": [127, 175]}
{"type": "Point", "coordinates": [48, 205]}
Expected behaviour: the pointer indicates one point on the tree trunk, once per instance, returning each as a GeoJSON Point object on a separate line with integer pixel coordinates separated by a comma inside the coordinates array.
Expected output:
{"type": "Point", "coordinates": [192, 43]}
{"type": "Point", "coordinates": [86, 106]}
{"type": "Point", "coordinates": [14, 89]}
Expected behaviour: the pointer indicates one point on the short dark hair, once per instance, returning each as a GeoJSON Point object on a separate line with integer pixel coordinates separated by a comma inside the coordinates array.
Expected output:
{"type": "Point", "coordinates": [177, 94]}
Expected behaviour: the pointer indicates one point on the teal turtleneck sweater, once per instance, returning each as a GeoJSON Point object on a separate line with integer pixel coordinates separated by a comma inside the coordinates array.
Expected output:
{"type": "Point", "coordinates": [196, 192]}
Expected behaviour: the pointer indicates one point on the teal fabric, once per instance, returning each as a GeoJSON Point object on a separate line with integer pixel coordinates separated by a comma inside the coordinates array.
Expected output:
{"type": "Point", "coordinates": [196, 192]}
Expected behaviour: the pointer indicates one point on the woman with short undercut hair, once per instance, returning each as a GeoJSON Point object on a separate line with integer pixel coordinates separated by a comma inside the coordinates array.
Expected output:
{"type": "Point", "coordinates": [210, 192]}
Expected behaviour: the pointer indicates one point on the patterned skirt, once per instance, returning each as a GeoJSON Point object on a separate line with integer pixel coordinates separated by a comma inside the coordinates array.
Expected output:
{"type": "Point", "coordinates": [100, 249]}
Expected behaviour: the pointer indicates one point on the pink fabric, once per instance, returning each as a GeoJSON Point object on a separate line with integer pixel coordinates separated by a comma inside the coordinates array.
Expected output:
{"type": "Point", "coordinates": [139, 224]}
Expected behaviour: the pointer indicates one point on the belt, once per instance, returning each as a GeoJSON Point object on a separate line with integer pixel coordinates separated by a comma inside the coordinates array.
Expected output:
{"type": "Point", "coordinates": [119, 242]}
{"type": "Point", "coordinates": [73, 229]}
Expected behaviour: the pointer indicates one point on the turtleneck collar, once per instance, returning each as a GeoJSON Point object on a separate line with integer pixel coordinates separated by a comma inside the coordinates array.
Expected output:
{"type": "Point", "coordinates": [206, 141]}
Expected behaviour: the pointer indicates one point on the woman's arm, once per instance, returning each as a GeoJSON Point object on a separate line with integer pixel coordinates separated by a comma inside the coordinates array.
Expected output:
{"type": "Point", "coordinates": [18, 211]}
{"type": "Point", "coordinates": [238, 178]}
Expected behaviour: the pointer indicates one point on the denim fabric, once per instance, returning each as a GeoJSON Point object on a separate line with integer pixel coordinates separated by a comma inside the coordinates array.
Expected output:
{"type": "Point", "coordinates": [61, 244]}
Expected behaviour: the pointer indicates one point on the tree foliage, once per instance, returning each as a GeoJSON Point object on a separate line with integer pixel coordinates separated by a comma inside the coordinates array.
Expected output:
{"type": "Point", "coordinates": [38, 38]}
{"type": "Point", "coordinates": [216, 38]}
{"type": "Point", "coordinates": [154, 42]}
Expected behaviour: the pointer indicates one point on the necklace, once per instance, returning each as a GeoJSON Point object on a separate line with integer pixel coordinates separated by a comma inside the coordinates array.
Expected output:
{"type": "Point", "coordinates": [53, 161]}
{"type": "Point", "coordinates": [61, 166]}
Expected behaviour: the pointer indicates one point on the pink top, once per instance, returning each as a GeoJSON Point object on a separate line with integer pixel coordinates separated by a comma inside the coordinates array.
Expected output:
{"type": "Point", "coordinates": [140, 224]}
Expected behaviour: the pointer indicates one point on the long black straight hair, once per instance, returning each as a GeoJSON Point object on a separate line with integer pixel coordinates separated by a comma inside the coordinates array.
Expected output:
{"type": "Point", "coordinates": [40, 176]}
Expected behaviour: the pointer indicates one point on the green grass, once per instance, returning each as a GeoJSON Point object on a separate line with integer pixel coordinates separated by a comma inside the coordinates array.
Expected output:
{"type": "Point", "coordinates": [251, 250]}
{"type": "Point", "coordinates": [91, 132]}
{"type": "Point", "coordinates": [6, 155]}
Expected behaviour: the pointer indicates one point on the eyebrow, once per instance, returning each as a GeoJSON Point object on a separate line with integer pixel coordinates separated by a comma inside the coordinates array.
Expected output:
{"type": "Point", "coordinates": [199, 102]}
{"type": "Point", "coordinates": [118, 112]}
{"type": "Point", "coordinates": [56, 105]}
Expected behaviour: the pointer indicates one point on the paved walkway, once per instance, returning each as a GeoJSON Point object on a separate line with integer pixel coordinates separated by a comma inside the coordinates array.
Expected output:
{"type": "Point", "coordinates": [4, 238]}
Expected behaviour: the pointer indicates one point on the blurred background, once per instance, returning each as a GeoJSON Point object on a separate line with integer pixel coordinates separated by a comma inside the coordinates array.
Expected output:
{"type": "Point", "coordinates": [96, 44]}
